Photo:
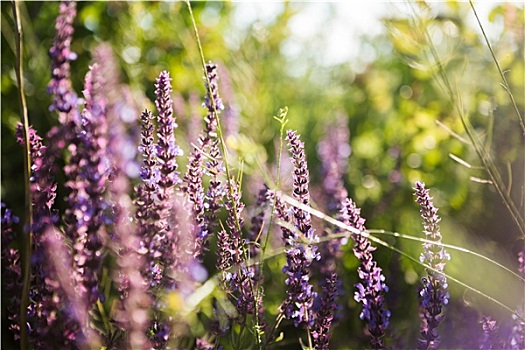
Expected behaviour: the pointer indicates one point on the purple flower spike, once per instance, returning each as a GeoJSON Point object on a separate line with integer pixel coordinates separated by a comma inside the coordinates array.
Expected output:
{"type": "Point", "coordinates": [300, 251]}
{"type": "Point", "coordinates": [11, 270]}
{"type": "Point", "coordinates": [211, 72]}
{"type": "Point", "coordinates": [491, 336]}
{"type": "Point", "coordinates": [42, 185]}
{"type": "Point", "coordinates": [433, 295]}
{"type": "Point", "coordinates": [146, 213]}
{"type": "Point", "coordinates": [238, 279]}
{"type": "Point", "coordinates": [193, 179]}
{"type": "Point", "coordinates": [87, 174]}
{"type": "Point", "coordinates": [301, 178]}
{"type": "Point", "coordinates": [60, 86]}
{"type": "Point", "coordinates": [195, 191]}
{"type": "Point", "coordinates": [372, 288]}
{"type": "Point", "coordinates": [325, 314]}
{"type": "Point", "coordinates": [167, 150]}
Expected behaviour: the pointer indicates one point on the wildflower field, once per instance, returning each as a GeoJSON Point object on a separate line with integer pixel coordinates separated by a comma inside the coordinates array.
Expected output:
{"type": "Point", "coordinates": [219, 175]}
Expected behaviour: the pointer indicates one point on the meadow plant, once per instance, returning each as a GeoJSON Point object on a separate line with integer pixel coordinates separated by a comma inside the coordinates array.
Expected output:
{"type": "Point", "coordinates": [141, 257]}
{"type": "Point", "coordinates": [433, 295]}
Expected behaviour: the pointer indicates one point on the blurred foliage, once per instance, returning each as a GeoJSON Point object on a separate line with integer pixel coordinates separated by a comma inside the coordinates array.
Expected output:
{"type": "Point", "coordinates": [392, 105]}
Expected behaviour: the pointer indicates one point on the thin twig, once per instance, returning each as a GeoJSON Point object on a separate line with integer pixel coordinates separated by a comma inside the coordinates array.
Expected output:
{"type": "Point", "coordinates": [27, 239]}
{"type": "Point", "coordinates": [505, 83]}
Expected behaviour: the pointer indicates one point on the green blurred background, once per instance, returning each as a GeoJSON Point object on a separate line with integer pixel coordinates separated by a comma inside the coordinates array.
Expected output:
{"type": "Point", "coordinates": [371, 67]}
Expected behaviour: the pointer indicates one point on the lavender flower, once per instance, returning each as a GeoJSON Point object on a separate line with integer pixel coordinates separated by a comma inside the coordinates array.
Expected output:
{"type": "Point", "coordinates": [370, 291]}
{"type": "Point", "coordinates": [42, 185]}
{"type": "Point", "coordinates": [214, 167]}
{"type": "Point", "coordinates": [49, 318]}
{"type": "Point", "coordinates": [133, 315]}
{"type": "Point", "coordinates": [68, 323]}
{"type": "Point", "coordinates": [195, 192]}
{"type": "Point", "coordinates": [122, 112]}
{"type": "Point", "coordinates": [491, 338]}
{"type": "Point", "coordinates": [300, 184]}
{"type": "Point", "coordinates": [158, 333]}
{"type": "Point", "coordinates": [239, 280]}
{"type": "Point", "coordinates": [433, 295]}
{"type": "Point", "coordinates": [60, 86]}
{"type": "Point", "coordinates": [517, 337]}
{"type": "Point", "coordinates": [65, 100]}
{"type": "Point", "coordinates": [201, 344]}
{"type": "Point", "coordinates": [283, 213]}
{"type": "Point", "coordinates": [87, 173]}
{"type": "Point", "coordinates": [235, 222]}
{"type": "Point", "coordinates": [147, 210]}
{"type": "Point", "coordinates": [11, 270]}
{"type": "Point", "coordinates": [212, 85]}
{"type": "Point", "coordinates": [193, 182]}
{"type": "Point", "coordinates": [300, 252]}
{"type": "Point", "coordinates": [325, 314]}
{"type": "Point", "coordinates": [167, 150]}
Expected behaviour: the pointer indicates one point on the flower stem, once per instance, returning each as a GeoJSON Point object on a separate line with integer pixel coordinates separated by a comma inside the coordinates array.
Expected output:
{"type": "Point", "coordinates": [27, 239]}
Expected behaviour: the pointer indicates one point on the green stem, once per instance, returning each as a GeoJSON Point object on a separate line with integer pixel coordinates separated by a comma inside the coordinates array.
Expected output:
{"type": "Point", "coordinates": [283, 121]}
{"type": "Point", "coordinates": [28, 238]}
{"type": "Point", "coordinates": [216, 114]}
{"type": "Point", "coordinates": [506, 85]}
{"type": "Point", "coordinates": [270, 224]}
{"type": "Point", "coordinates": [223, 144]}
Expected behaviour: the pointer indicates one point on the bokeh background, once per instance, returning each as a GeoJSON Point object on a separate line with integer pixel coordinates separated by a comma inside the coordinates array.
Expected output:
{"type": "Point", "coordinates": [359, 65]}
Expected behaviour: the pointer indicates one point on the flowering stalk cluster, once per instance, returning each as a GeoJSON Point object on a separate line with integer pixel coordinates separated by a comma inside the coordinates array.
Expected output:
{"type": "Point", "coordinates": [133, 315]}
{"type": "Point", "coordinates": [214, 167]}
{"type": "Point", "coordinates": [325, 315]}
{"type": "Point", "coordinates": [491, 338]}
{"type": "Point", "coordinates": [69, 324]}
{"type": "Point", "coordinates": [372, 288]}
{"type": "Point", "coordinates": [164, 178]}
{"type": "Point", "coordinates": [147, 213]}
{"type": "Point", "coordinates": [87, 173]}
{"type": "Point", "coordinates": [42, 185]}
{"type": "Point", "coordinates": [239, 280]}
{"type": "Point", "coordinates": [167, 149]}
{"type": "Point", "coordinates": [49, 317]}
{"type": "Point", "coordinates": [164, 219]}
{"type": "Point", "coordinates": [11, 270]}
{"type": "Point", "coordinates": [60, 86]}
{"type": "Point", "coordinates": [122, 114]}
{"type": "Point", "coordinates": [300, 251]}
{"type": "Point", "coordinates": [65, 100]}
{"type": "Point", "coordinates": [193, 179]}
{"type": "Point", "coordinates": [301, 178]}
{"type": "Point", "coordinates": [433, 295]}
